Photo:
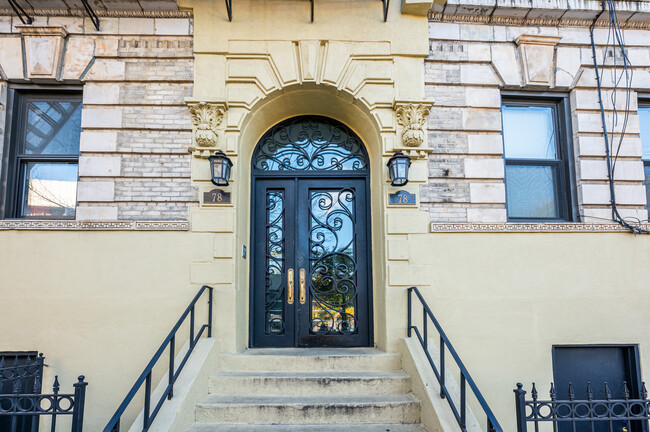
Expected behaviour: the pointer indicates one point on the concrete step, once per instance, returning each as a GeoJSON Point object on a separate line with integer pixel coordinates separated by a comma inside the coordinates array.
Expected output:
{"type": "Point", "coordinates": [311, 359]}
{"type": "Point", "coordinates": [329, 409]}
{"type": "Point", "coordinates": [309, 383]}
{"type": "Point", "coordinates": [351, 427]}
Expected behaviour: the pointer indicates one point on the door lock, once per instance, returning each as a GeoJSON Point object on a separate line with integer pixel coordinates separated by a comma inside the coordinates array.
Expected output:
{"type": "Point", "coordinates": [290, 286]}
{"type": "Point", "coordinates": [303, 293]}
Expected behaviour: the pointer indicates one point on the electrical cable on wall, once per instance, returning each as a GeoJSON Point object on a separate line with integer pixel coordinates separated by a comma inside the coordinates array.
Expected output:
{"type": "Point", "coordinates": [615, 35]}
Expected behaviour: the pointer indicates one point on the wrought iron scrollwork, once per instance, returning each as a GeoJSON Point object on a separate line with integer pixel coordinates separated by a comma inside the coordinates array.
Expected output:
{"type": "Point", "coordinates": [310, 144]}
{"type": "Point", "coordinates": [332, 258]}
{"type": "Point", "coordinates": [274, 280]}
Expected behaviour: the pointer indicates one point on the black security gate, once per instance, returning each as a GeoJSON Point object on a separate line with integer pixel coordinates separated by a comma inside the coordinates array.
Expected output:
{"type": "Point", "coordinates": [311, 281]}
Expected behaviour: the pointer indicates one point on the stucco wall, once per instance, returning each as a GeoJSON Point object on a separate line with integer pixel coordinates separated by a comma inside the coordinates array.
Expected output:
{"type": "Point", "coordinates": [505, 299]}
{"type": "Point", "coordinates": [97, 304]}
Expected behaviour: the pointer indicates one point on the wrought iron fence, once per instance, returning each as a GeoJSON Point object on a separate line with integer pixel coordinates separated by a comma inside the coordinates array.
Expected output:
{"type": "Point", "coordinates": [460, 412]}
{"type": "Point", "coordinates": [21, 373]}
{"type": "Point", "coordinates": [623, 414]}
{"type": "Point", "coordinates": [173, 372]}
{"type": "Point", "coordinates": [18, 406]}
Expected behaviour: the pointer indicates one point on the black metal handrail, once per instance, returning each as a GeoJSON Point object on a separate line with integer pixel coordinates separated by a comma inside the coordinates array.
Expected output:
{"type": "Point", "coordinates": [465, 377]}
{"type": "Point", "coordinates": [53, 405]}
{"type": "Point", "coordinates": [145, 377]}
{"type": "Point", "coordinates": [572, 411]}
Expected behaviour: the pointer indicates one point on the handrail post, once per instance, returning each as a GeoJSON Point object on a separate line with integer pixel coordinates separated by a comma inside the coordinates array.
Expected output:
{"type": "Point", "coordinates": [147, 402]}
{"type": "Point", "coordinates": [442, 367]}
{"type": "Point", "coordinates": [172, 349]}
{"type": "Point", "coordinates": [192, 327]}
{"type": "Point", "coordinates": [463, 401]}
{"type": "Point", "coordinates": [520, 407]}
{"type": "Point", "coordinates": [424, 325]}
{"type": "Point", "coordinates": [209, 312]}
{"type": "Point", "coordinates": [79, 404]}
{"type": "Point", "coordinates": [410, 294]}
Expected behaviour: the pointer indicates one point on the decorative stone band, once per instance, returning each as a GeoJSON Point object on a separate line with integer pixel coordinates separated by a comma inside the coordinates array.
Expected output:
{"type": "Point", "coordinates": [530, 22]}
{"type": "Point", "coordinates": [528, 227]}
{"type": "Point", "coordinates": [71, 225]}
{"type": "Point", "coordinates": [102, 13]}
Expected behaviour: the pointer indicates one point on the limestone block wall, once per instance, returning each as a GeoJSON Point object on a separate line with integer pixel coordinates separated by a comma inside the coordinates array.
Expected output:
{"type": "Point", "coordinates": [135, 74]}
{"type": "Point", "coordinates": [471, 64]}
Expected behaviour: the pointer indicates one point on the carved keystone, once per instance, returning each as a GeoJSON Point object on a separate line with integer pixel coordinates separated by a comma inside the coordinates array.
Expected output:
{"type": "Point", "coordinates": [536, 54]}
{"type": "Point", "coordinates": [43, 50]}
{"type": "Point", "coordinates": [206, 118]}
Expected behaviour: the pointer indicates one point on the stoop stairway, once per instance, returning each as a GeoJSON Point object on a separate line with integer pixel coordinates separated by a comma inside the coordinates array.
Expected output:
{"type": "Point", "coordinates": [315, 389]}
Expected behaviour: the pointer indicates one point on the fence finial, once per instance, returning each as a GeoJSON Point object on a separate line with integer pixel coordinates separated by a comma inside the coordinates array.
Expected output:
{"type": "Point", "coordinates": [590, 394]}
{"type": "Point", "coordinates": [552, 392]}
{"type": "Point", "coordinates": [608, 394]}
{"type": "Point", "coordinates": [572, 394]}
{"type": "Point", "coordinates": [626, 392]}
{"type": "Point", "coordinates": [644, 391]}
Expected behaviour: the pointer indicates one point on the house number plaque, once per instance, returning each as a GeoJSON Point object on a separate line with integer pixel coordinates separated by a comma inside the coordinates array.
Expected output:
{"type": "Point", "coordinates": [401, 198]}
{"type": "Point", "coordinates": [216, 196]}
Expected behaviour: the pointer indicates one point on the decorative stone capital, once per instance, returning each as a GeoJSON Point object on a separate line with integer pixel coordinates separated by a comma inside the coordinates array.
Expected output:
{"type": "Point", "coordinates": [206, 119]}
{"type": "Point", "coordinates": [536, 54]}
{"type": "Point", "coordinates": [412, 117]}
{"type": "Point", "coordinates": [43, 50]}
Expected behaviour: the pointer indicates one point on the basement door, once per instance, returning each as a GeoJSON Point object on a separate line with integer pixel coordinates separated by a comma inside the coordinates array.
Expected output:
{"type": "Point", "coordinates": [310, 263]}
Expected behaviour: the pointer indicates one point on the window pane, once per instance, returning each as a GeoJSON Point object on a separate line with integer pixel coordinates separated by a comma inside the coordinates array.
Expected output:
{"type": "Point", "coordinates": [531, 191]}
{"type": "Point", "coordinates": [52, 127]}
{"type": "Point", "coordinates": [49, 189]}
{"type": "Point", "coordinates": [644, 118]}
{"type": "Point", "coordinates": [529, 132]}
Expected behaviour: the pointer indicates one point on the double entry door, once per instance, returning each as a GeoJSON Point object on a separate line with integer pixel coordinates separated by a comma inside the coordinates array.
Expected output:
{"type": "Point", "coordinates": [310, 278]}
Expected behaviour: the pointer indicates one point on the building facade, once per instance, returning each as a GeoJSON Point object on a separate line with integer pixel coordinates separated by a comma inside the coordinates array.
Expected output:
{"type": "Point", "coordinates": [508, 225]}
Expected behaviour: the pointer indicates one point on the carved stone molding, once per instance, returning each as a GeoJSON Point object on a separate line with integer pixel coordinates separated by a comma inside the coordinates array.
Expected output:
{"type": "Point", "coordinates": [72, 225]}
{"type": "Point", "coordinates": [102, 13]}
{"type": "Point", "coordinates": [528, 227]}
{"type": "Point", "coordinates": [43, 50]}
{"type": "Point", "coordinates": [412, 118]}
{"type": "Point", "coordinates": [530, 22]}
{"type": "Point", "coordinates": [206, 119]}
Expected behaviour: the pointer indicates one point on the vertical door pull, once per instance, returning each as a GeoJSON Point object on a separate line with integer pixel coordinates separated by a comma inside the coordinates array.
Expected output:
{"type": "Point", "coordinates": [303, 294]}
{"type": "Point", "coordinates": [290, 286]}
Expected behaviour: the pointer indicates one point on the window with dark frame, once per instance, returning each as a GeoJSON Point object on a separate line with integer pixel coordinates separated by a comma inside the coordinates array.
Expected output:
{"type": "Point", "coordinates": [536, 152]}
{"type": "Point", "coordinates": [43, 155]}
{"type": "Point", "coordinates": [644, 120]}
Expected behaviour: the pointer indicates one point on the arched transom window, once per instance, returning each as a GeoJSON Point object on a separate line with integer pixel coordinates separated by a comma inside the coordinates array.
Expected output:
{"type": "Point", "coordinates": [310, 143]}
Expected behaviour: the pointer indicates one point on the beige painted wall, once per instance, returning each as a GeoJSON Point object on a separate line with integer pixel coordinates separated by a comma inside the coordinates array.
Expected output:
{"type": "Point", "coordinates": [505, 299]}
{"type": "Point", "coordinates": [96, 303]}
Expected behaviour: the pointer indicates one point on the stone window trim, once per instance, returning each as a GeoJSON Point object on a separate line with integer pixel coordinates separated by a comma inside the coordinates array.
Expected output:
{"type": "Point", "coordinates": [9, 176]}
{"type": "Point", "coordinates": [562, 117]}
{"type": "Point", "coordinates": [644, 103]}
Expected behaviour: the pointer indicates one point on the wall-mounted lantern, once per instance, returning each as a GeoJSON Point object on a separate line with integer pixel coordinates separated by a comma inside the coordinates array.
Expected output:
{"type": "Point", "coordinates": [220, 166]}
{"type": "Point", "coordinates": [398, 169]}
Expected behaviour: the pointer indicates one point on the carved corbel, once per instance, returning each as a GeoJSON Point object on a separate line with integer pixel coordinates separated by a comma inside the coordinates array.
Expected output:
{"type": "Point", "coordinates": [206, 119]}
{"type": "Point", "coordinates": [412, 118]}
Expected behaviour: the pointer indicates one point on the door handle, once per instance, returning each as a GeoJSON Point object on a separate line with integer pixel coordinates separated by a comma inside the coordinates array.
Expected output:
{"type": "Point", "coordinates": [290, 286]}
{"type": "Point", "coordinates": [303, 294]}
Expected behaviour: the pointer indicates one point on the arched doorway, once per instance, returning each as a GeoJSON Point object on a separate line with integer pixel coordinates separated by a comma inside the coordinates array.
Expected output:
{"type": "Point", "coordinates": [311, 282]}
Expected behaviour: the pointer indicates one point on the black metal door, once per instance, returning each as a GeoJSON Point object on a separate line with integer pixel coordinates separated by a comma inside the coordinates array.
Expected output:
{"type": "Point", "coordinates": [311, 273]}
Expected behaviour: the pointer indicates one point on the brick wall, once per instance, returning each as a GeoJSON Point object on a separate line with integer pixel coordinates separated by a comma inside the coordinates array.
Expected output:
{"type": "Point", "coordinates": [136, 73]}
{"type": "Point", "coordinates": [468, 68]}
